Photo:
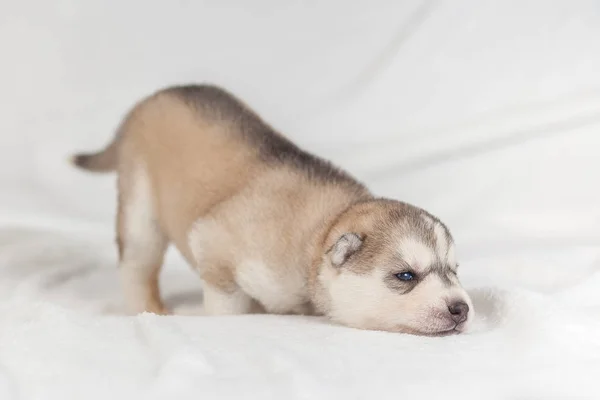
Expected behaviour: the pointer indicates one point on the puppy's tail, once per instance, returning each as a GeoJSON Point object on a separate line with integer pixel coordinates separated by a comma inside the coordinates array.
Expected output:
{"type": "Point", "coordinates": [102, 161]}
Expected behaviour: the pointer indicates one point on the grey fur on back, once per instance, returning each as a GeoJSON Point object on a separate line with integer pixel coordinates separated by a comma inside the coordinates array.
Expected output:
{"type": "Point", "coordinates": [218, 104]}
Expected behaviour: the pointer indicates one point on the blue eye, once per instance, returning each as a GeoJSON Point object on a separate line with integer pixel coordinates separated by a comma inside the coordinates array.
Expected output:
{"type": "Point", "coordinates": [405, 276]}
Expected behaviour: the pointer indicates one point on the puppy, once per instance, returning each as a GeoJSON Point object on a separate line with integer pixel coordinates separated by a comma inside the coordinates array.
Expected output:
{"type": "Point", "coordinates": [268, 226]}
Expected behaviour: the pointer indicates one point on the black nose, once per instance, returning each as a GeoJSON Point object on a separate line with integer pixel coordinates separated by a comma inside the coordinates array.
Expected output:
{"type": "Point", "coordinates": [459, 311]}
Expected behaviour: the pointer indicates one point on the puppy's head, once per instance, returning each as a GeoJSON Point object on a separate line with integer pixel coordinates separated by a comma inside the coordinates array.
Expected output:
{"type": "Point", "coordinates": [390, 266]}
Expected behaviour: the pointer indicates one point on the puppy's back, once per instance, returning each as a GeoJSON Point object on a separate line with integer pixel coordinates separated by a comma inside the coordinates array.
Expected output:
{"type": "Point", "coordinates": [198, 146]}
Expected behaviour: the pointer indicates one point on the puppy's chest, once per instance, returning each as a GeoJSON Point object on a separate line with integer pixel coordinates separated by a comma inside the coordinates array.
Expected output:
{"type": "Point", "coordinates": [276, 279]}
{"type": "Point", "coordinates": [279, 286]}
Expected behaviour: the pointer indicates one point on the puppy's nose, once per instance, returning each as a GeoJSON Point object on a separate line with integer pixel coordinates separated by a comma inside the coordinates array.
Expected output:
{"type": "Point", "coordinates": [458, 311]}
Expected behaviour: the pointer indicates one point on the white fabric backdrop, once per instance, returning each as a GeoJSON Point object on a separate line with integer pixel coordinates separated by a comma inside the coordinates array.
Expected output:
{"type": "Point", "coordinates": [485, 113]}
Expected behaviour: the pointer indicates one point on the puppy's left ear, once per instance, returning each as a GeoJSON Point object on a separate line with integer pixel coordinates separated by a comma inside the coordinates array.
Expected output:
{"type": "Point", "coordinates": [346, 245]}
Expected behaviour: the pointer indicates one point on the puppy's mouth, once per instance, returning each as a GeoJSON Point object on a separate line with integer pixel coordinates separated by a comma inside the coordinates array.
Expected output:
{"type": "Point", "coordinates": [455, 330]}
{"type": "Point", "coordinates": [450, 332]}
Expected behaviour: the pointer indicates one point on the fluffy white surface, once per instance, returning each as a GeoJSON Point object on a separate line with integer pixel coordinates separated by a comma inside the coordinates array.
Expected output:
{"type": "Point", "coordinates": [485, 113]}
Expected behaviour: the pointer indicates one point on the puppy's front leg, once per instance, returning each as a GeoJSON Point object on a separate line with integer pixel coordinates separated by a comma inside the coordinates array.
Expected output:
{"type": "Point", "coordinates": [230, 302]}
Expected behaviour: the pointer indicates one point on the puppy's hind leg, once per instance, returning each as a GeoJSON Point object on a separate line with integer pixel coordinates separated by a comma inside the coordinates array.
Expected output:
{"type": "Point", "coordinates": [142, 243]}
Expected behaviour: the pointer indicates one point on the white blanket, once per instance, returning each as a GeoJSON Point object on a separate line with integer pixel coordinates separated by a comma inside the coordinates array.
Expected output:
{"type": "Point", "coordinates": [483, 112]}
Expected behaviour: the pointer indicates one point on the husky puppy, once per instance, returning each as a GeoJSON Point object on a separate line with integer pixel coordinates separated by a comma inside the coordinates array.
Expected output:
{"type": "Point", "coordinates": [268, 226]}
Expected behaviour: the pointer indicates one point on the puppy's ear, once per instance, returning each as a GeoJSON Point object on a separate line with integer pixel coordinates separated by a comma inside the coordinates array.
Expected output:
{"type": "Point", "coordinates": [346, 245]}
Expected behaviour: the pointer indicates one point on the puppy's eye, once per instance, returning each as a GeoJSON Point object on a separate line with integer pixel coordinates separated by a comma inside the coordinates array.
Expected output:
{"type": "Point", "coordinates": [405, 276]}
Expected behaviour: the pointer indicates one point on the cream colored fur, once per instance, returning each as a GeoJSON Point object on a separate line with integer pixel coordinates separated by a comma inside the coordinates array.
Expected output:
{"type": "Point", "coordinates": [268, 226]}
